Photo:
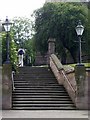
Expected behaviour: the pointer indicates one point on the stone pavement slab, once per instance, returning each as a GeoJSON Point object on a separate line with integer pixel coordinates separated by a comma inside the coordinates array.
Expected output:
{"type": "Point", "coordinates": [45, 114]}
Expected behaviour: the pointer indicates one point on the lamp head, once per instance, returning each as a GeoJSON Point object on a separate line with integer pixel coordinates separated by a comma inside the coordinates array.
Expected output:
{"type": "Point", "coordinates": [79, 29]}
{"type": "Point", "coordinates": [7, 25]}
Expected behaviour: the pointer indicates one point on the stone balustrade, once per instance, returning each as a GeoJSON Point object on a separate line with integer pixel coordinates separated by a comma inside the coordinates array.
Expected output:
{"type": "Point", "coordinates": [62, 77]}
{"type": "Point", "coordinates": [66, 76]}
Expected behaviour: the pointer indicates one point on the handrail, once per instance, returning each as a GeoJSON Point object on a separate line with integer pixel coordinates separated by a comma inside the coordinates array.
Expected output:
{"type": "Point", "coordinates": [13, 87]}
{"type": "Point", "coordinates": [68, 82]}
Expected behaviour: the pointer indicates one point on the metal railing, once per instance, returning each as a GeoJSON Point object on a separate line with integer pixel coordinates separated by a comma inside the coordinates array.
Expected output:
{"type": "Point", "coordinates": [13, 86]}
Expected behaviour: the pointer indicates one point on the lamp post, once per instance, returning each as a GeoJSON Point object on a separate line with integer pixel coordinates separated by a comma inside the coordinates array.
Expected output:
{"type": "Point", "coordinates": [7, 25]}
{"type": "Point", "coordinates": [80, 74]}
{"type": "Point", "coordinates": [79, 30]}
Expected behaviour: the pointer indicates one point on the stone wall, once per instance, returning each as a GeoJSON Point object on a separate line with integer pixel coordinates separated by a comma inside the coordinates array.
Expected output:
{"type": "Point", "coordinates": [88, 88]}
{"type": "Point", "coordinates": [40, 59]}
{"type": "Point", "coordinates": [0, 88]}
{"type": "Point", "coordinates": [7, 87]}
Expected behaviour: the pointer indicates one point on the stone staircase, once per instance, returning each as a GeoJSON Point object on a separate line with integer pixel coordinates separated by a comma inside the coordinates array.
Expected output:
{"type": "Point", "coordinates": [36, 88]}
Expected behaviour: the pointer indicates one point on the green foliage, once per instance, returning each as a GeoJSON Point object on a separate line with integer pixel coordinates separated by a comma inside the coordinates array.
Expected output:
{"type": "Point", "coordinates": [87, 65]}
{"type": "Point", "coordinates": [58, 20]}
{"type": "Point", "coordinates": [21, 30]}
{"type": "Point", "coordinates": [30, 50]}
{"type": "Point", "coordinates": [13, 53]}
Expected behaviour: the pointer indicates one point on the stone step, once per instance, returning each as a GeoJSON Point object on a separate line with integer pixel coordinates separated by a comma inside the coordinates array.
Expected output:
{"type": "Point", "coordinates": [44, 108]}
{"type": "Point", "coordinates": [32, 83]}
{"type": "Point", "coordinates": [39, 98]}
{"type": "Point", "coordinates": [43, 105]}
{"type": "Point", "coordinates": [34, 70]}
{"type": "Point", "coordinates": [42, 93]}
{"type": "Point", "coordinates": [40, 102]}
{"type": "Point", "coordinates": [37, 83]}
{"type": "Point", "coordinates": [36, 88]}
{"type": "Point", "coordinates": [37, 74]}
{"type": "Point", "coordinates": [39, 87]}
{"type": "Point", "coordinates": [34, 79]}
{"type": "Point", "coordinates": [49, 88]}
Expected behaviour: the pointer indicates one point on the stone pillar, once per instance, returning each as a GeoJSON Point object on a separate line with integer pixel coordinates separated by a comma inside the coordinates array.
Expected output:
{"type": "Point", "coordinates": [6, 87]}
{"type": "Point", "coordinates": [81, 94]}
{"type": "Point", "coordinates": [51, 47]}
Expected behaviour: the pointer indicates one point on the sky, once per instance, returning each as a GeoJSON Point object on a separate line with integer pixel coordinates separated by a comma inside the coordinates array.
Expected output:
{"type": "Point", "coordinates": [19, 8]}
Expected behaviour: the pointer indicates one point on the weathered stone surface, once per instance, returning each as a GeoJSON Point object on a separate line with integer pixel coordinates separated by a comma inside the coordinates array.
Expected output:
{"type": "Point", "coordinates": [6, 87]}
{"type": "Point", "coordinates": [88, 82]}
{"type": "Point", "coordinates": [81, 81]}
{"type": "Point", "coordinates": [78, 91]}
{"type": "Point", "coordinates": [62, 78]}
{"type": "Point", "coordinates": [80, 75]}
{"type": "Point", "coordinates": [40, 59]}
{"type": "Point", "coordinates": [51, 48]}
{"type": "Point", "coordinates": [56, 72]}
{"type": "Point", "coordinates": [0, 88]}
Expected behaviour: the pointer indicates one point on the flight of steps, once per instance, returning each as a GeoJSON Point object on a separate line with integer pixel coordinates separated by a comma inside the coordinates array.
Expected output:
{"type": "Point", "coordinates": [36, 88]}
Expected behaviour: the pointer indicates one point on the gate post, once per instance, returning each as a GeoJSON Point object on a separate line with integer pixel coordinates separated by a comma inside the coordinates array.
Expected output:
{"type": "Point", "coordinates": [51, 48]}
{"type": "Point", "coordinates": [81, 95]}
{"type": "Point", "coordinates": [7, 87]}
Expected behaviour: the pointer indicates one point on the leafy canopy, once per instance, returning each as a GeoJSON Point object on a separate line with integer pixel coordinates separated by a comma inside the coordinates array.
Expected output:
{"type": "Point", "coordinates": [58, 20]}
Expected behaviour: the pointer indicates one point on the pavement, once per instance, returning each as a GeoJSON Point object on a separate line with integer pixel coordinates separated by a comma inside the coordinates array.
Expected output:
{"type": "Point", "coordinates": [45, 114]}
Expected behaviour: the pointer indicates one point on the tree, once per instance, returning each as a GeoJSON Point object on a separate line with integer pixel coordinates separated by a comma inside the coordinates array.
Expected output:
{"type": "Point", "coordinates": [30, 50]}
{"type": "Point", "coordinates": [58, 20]}
{"type": "Point", "coordinates": [22, 30]}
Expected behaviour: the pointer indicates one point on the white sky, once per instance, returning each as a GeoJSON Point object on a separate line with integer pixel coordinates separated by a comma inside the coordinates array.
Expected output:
{"type": "Point", "coordinates": [13, 8]}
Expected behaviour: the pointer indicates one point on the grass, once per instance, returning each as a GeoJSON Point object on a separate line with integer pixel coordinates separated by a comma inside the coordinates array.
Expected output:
{"type": "Point", "coordinates": [87, 65]}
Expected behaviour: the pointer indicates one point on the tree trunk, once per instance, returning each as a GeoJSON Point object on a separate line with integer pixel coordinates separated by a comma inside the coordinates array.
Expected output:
{"type": "Point", "coordinates": [63, 57]}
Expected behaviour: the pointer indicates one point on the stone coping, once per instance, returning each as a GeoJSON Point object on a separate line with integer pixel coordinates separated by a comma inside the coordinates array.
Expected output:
{"type": "Point", "coordinates": [67, 69]}
{"type": "Point", "coordinates": [57, 62]}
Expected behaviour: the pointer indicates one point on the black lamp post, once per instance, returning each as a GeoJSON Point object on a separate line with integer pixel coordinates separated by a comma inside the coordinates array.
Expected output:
{"type": "Point", "coordinates": [79, 30]}
{"type": "Point", "coordinates": [7, 25]}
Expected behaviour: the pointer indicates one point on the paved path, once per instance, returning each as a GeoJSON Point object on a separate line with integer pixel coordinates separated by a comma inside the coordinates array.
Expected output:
{"type": "Point", "coordinates": [45, 114]}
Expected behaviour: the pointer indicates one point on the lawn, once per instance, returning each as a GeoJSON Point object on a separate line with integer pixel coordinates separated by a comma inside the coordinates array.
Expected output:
{"type": "Point", "coordinates": [70, 67]}
{"type": "Point", "coordinates": [87, 65]}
